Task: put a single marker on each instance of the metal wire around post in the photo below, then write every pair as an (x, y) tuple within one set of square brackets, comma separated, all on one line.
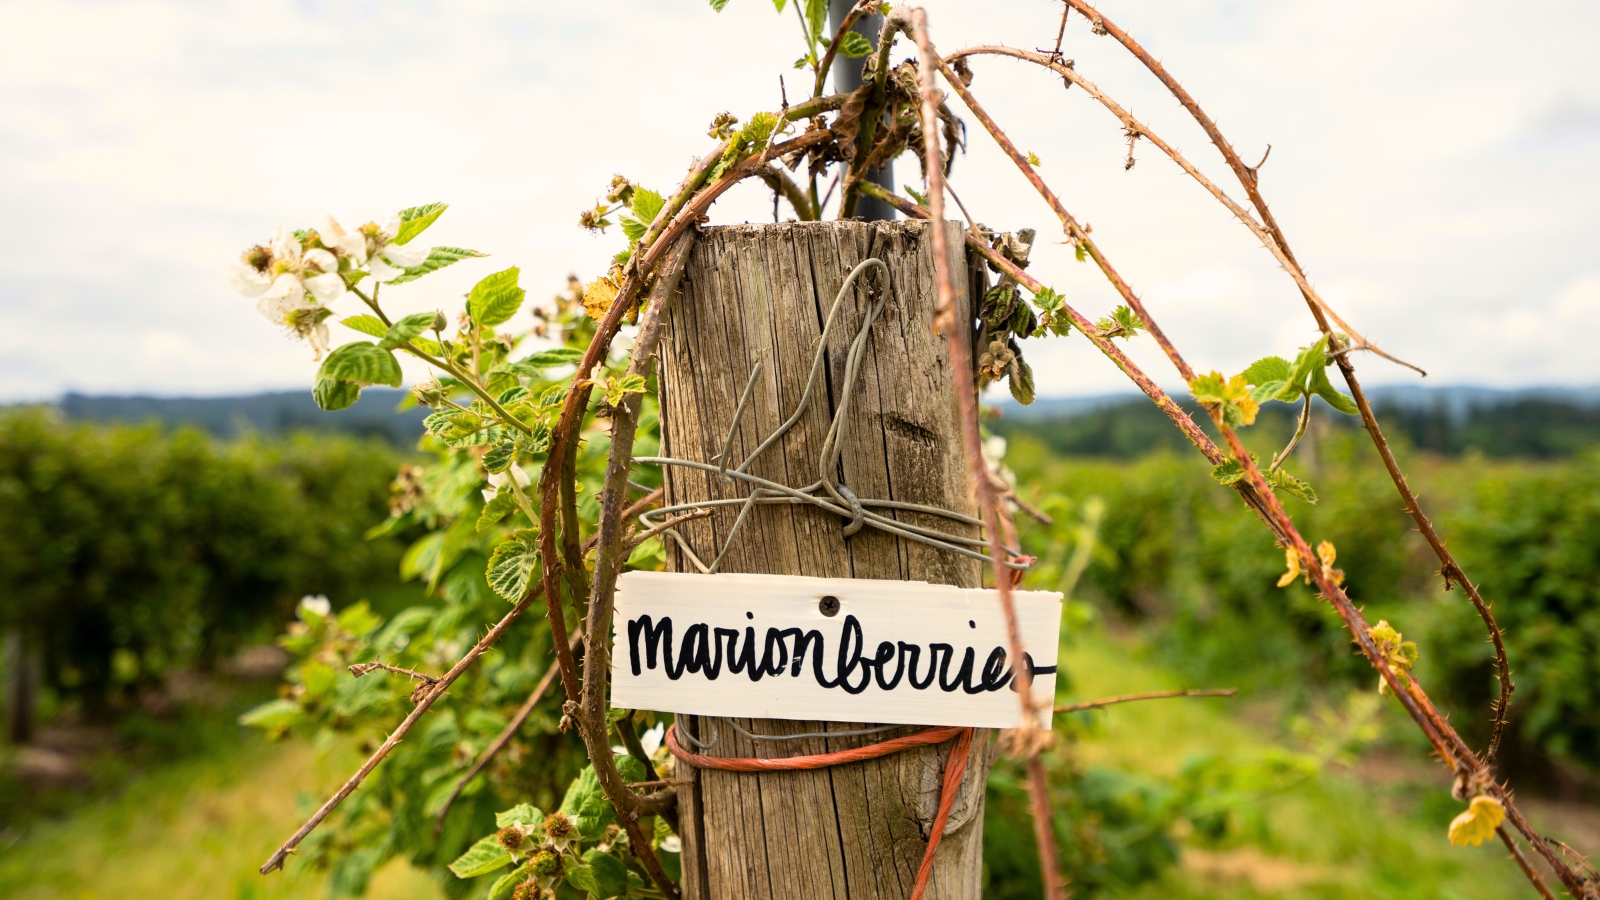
[(826, 493)]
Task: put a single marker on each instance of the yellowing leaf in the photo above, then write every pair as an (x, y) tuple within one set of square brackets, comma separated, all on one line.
[(1291, 559), (1327, 553), (1478, 823), (598, 296), (1398, 652), (1246, 405), (1228, 399)]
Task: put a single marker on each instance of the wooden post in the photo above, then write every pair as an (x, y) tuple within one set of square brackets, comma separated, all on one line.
[(19, 683), (759, 293)]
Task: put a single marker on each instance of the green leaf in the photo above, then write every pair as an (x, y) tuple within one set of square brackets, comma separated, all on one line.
[(511, 567), (504, 502), (1021, 382), (1124, 323), (609, 874), (1322, 388), (633, 229), (816, 18), (777, 3), (358, 618), (618, 389), (465, 429), (1270, 391), (854, 45), (718, 4), (363, 363), (546, 359), (1048, 300), (921, 199), (1267, 369), (416, 220), (511, 395), (582, 878), (1282, 480), (460, 537), (496, 299), (1310, 360), (760, 127), (646, 204), (587, 805), (500, 457), (538, 441), (505, 884), (366, 325), (274, 716), (1229, 471), (438, 258), (521, 814), (318, 679), (480, 859), (332, 394), (406, 329), (422, 556)]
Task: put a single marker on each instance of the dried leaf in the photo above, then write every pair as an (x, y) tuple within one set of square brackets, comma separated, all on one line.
[(1478, 823), (598, 295), (1291, 560)]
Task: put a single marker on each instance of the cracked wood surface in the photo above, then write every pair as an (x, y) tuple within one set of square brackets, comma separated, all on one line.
[(759, 293)]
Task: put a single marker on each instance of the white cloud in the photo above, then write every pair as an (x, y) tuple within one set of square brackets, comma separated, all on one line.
[(1435, 167)]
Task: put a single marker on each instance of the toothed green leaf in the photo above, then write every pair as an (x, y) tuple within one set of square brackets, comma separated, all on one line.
[(363, 363), (416, 220), (438, 258)]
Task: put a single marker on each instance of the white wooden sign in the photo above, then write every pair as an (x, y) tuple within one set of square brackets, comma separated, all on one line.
[(829, 649)]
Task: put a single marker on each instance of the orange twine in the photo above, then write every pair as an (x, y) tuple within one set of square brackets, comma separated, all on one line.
[(955, 769)]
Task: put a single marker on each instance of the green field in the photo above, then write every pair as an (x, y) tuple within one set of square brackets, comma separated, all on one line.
[(195, 829), (198, 828)]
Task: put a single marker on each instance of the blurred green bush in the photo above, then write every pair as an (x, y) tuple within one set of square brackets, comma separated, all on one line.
[(130, 552), (1180, 556)]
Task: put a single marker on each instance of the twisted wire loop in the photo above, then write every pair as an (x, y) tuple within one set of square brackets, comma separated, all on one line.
[(955, 769), (830, 492)]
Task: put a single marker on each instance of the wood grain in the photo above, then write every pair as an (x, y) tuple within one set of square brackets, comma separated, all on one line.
[(758, 293)]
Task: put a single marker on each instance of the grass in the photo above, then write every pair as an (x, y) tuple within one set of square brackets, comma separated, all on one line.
[(199, 827), (1334, 834), (195, 830)]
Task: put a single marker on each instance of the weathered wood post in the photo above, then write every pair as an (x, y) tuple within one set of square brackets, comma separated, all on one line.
[(759, 294)]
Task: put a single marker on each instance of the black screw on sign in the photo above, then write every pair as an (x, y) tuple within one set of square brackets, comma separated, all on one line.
[(829, 605)]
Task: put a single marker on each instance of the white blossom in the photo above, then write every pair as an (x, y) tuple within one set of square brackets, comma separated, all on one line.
[(386, 259), (316, 604), (496, 479), (349, 243)]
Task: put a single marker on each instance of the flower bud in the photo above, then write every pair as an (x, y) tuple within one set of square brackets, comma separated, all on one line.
[(621, 190), (722, 126), (429, 393), (440, 323)]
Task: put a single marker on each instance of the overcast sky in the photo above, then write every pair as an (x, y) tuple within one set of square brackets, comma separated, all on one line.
[(1435, 164)]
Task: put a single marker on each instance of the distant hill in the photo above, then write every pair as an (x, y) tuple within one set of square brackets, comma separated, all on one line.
[(272, 413), (1531, 422), (1538, 423)]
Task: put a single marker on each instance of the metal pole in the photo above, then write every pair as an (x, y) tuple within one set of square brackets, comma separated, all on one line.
[(846, 78)]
